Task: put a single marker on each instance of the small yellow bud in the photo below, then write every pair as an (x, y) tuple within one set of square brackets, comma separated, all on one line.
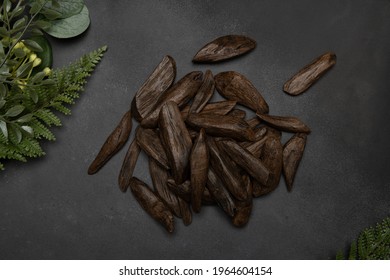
[(37, 61), (47, 71), (19, 45), (33, 56), (26, 50)]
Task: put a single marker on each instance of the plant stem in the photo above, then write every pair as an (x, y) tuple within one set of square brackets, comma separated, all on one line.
[(21, 35)]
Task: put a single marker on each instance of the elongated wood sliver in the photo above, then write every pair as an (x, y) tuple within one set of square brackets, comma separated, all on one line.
[(128, 165), (225, 47), (149, 141), (152, 204), (288, 124), (159, 177), (180, 93), (244, 207), (151, 90), (226, 169), (199, 165), (115, 141), (222, 125), (271, 157), (292, 155), (235, 86), (204, 93), (176, 140), (220, 194), (246, 160), (309, 74)]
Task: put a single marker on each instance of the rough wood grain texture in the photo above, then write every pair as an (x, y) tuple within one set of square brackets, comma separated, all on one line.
[(176, 140), (220, 194), (217, 108), (204, 93), (149, 141), (180, 93), (309, 74), (244, 207), (224, 47), (292, 155), (238, 113), (221, 125), (128, 165), (115, 141), (252, 165), (235, 86), (199, 165), (184, 191), (271, 157), (151, 90), (226, 169), (289, 124), (159, 176), (152, 204)]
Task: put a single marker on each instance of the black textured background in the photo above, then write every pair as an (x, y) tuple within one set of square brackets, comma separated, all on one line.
[(51, 209)]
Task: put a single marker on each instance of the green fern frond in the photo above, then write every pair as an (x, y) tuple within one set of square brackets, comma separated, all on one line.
[(39, 102), (47, 117), (41, 131), (373, 243)]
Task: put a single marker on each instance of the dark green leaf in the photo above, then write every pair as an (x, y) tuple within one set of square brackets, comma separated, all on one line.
[(51, 14), (23, 70), (7, 4), (34, 96), (43, 24), (20, 23), (3, 32), (19, 53), (71, 26), (28, 129), (14, 111), (25, 118), (48, 82), (36, 32), (38, 77), (18, 11), (3, 91), (32, 45), (17, 133), (3, 128), (2, 103), (35, 7)]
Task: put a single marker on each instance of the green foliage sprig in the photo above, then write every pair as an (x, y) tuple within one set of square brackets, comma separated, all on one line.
[(372, 244), (30, 91)]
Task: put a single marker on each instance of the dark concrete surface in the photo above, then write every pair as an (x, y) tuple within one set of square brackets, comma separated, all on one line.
[(51, 209)]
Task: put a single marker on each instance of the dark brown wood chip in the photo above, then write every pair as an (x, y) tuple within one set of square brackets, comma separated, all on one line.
[(224, 47), (115, 141), (222, 125), (199, 163), (180, 93), (176, 140), (128, 165), (149, 141), (309, 74), (235, 86), (292, 155), (152, 204), (151, 90), (289, 124)]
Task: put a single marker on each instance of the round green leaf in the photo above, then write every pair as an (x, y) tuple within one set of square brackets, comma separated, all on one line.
[(28, 129), (64, 8), (71, 26)]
